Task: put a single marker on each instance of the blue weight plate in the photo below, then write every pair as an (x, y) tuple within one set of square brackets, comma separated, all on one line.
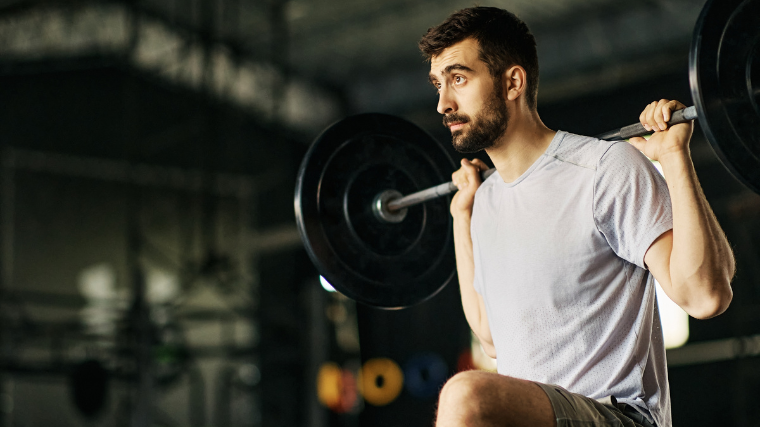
[(425, 374)]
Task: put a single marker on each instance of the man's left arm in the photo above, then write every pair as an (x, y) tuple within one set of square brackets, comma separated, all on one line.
[(693, 262)]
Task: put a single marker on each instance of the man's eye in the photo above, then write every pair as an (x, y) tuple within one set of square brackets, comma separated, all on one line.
[(459, 80)]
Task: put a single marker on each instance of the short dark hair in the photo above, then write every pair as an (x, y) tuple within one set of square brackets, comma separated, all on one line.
[(504, 41)]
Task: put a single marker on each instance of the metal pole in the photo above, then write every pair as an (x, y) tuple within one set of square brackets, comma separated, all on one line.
[(626, 132), (430, 193)]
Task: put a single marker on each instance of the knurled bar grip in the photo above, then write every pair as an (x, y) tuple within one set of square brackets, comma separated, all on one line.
[(627, 132), (678, 116)]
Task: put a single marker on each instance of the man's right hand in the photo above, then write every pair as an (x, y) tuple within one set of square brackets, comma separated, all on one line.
[(467, 179)]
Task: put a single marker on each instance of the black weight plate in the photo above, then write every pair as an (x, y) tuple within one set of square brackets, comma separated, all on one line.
[(724, 70), (374, 262)]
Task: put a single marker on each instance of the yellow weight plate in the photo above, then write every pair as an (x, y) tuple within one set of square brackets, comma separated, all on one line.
[(381, 381)]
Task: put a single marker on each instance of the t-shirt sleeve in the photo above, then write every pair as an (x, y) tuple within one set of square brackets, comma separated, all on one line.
[(631, 202)]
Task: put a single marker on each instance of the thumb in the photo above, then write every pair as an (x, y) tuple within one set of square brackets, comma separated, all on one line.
[(638, 142)]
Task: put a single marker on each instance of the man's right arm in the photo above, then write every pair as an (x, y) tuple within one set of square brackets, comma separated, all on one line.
[(467, 180)]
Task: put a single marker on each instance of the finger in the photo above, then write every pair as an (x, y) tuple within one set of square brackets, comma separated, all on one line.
[(645, 117), (461, 178), (470, 168), (460, 181), (659, 114), (482, 166), (458, 177), (473, 175), (667, 110), (464, 165), (650, 117)]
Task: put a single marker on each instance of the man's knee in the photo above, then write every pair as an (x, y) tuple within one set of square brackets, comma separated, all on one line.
[(483, 398), (464, 394), (466, 383)]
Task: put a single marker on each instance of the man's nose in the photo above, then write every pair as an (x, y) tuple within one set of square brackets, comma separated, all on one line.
[(446, 103)]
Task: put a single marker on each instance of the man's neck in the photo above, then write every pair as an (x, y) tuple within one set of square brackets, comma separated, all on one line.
[(525, 140)]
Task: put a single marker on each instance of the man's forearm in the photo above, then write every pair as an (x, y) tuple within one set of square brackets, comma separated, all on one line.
[(701, 263), (466, 274)]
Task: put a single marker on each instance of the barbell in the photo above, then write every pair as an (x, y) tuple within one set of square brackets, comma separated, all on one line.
[(387, 250)]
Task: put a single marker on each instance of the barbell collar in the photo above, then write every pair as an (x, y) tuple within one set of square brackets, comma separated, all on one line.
[(383, 212)]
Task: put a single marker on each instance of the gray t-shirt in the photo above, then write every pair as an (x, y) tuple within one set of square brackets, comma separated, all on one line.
[(559, 261)]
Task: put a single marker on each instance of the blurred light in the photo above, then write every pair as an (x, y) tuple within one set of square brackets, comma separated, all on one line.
[(326, 285), (337, 388), (675, 321), (97, 284), (162, 286), (249, 374)]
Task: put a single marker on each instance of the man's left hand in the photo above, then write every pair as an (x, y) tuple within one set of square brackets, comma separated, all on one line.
[(665, 140)]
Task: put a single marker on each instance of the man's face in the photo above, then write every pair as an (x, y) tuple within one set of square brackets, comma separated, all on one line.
[(469, 97)]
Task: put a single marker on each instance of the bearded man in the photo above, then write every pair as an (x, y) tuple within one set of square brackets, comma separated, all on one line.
[(557, 252)]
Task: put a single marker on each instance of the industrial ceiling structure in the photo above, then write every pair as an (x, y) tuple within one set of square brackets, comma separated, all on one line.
[(307, 63)]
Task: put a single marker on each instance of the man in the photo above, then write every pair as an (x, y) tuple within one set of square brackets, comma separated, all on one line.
[(556, 252)]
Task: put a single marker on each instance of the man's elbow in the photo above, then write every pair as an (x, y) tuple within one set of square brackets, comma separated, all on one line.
[(714, 303)]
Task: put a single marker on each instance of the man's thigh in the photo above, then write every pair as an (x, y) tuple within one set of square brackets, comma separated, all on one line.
[(575, 410)]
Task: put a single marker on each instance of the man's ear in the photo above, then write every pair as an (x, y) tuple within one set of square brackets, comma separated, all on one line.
[(515, 82)]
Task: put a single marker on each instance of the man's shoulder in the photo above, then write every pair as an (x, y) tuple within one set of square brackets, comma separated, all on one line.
[(580, 150)]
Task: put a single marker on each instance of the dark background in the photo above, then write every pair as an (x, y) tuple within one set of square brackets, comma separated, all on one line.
[(159, 141)]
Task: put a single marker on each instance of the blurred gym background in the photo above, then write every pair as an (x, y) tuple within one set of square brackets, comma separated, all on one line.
[(151, 271)]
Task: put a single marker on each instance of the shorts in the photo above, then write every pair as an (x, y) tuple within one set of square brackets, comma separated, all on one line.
[(575, 410)]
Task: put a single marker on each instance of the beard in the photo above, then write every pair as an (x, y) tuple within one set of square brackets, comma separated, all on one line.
[(489, 124)]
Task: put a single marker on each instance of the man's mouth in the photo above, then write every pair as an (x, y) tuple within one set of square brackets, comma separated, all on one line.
[(456, 126), (455, 122)]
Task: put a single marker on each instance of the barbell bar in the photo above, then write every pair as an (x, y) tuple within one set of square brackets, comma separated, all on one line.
[(385, 206)]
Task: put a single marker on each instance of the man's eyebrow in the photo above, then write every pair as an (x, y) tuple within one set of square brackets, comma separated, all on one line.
[(449, 68), (460, 67)]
